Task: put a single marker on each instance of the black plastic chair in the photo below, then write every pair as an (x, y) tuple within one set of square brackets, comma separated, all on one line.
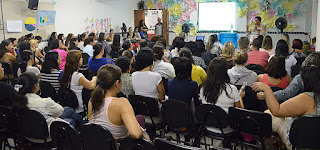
[(250, 122), (165, 85), (213, 116), (96, 137), (15, 67), (177, 117), (31, 124), (256, 68), (305, 133), (47, 90), (85, 59), (162, 144), (6, 128), (68, 98), (64, 136)]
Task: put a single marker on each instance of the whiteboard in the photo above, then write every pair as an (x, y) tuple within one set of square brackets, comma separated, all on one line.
[(14, 26)]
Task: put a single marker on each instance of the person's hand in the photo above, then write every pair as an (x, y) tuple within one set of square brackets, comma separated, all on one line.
[(260, 96), (242, 94), (255, 27), (259, 86)]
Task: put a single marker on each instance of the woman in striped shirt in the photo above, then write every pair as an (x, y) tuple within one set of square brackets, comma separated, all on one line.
[(50, 69)]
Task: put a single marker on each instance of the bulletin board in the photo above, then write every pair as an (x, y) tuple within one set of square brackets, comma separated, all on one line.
[(17, 10)]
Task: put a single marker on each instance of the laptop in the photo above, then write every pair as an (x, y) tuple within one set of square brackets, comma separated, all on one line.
[(200, 38)]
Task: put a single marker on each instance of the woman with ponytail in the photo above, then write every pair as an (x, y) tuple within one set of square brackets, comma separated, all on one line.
[(116, 114), (97, 60), (28, 58)]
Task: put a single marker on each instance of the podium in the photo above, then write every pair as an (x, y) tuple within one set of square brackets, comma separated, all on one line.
[(227, 36)]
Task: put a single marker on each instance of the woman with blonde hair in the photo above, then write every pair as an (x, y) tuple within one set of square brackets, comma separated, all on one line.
[(213, 46), (267, 45), (227, 53), (34, 47), (286, 38)]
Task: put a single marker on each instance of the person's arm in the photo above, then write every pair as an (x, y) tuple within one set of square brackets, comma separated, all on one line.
[(195, 94), (171, 72), (263, 31), (90, 85), (295, 106), (54, 109), (90, 109), (11, 57), (161, 91), (202, 74), (294, 88), (38, 53), (129, 119), (260, 76)]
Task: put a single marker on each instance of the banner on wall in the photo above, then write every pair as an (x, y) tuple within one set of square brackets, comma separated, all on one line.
[(46, 17)]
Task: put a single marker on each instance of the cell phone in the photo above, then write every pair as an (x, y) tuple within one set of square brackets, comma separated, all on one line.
[(244, 84)]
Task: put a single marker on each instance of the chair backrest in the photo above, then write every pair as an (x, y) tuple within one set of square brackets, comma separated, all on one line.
[(15, 67), (32, 124), (250, 122), (4, 112), (161, 144), (305, 133), (96, 137), (47, 90), (165, 85), (212, 115), (68, 99), (85, 57), (256, 68), (147, 106), (251, 101), (64, 136), (176, 114)]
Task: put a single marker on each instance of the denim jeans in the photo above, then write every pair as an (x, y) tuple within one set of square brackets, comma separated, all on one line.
[(72, 117)]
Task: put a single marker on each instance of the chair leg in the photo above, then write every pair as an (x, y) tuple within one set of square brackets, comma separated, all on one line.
[(205, 142), (178, 137)]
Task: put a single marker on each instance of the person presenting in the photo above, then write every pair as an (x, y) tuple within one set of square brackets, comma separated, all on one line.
[(159, 27), (258, 29)]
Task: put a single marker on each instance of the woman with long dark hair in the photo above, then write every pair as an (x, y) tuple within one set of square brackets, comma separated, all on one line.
[(115, 47), (73, 80), (63, 54), (50, 69), (74, 44), (5, 55), (97, 60), (28, 58)]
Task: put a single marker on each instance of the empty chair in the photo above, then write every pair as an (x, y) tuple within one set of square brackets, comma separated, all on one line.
[(95, 137), (251, 122), (305, 133), (64, 136), (48, 91), (162, 144)]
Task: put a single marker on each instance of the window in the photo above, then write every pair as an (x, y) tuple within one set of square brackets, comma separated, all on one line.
[(217, 16)]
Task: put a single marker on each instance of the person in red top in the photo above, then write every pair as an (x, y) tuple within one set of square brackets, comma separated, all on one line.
[(276, 73), (257, 57)]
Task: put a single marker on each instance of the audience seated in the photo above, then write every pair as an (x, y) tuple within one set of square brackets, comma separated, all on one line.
[(127, 45), (304, 104), (111, 36), (81, 38), (182, 88), (179, 43), (144, 81), (34, 47), (205, 55), (6, 90), (227, 53), (165, 69), (105, 109), (124, 63), (267, 45), (105, 45), (55, 47), (276, 73), (50, 70), (257, 57), (97, 60), (28, 57), (298, 52), (243, 44), (197, 74), (214, 46), (196, 54), (73, 80), (74, 44), (115, 47), (5, 55), (88, 43), (239, 73)]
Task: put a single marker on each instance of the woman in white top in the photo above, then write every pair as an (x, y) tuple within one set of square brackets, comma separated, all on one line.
[(105, 109), (28, 58), (217, 90), (165, 69), (88, 43), (73, 79), (267, 45), (213, 46)]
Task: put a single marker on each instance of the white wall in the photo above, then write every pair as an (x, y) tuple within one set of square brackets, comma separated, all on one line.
[(71, 14)]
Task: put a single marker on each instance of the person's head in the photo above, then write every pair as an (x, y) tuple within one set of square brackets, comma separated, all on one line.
[(182, 68), (243, 43), (130, 29), (23, 39), (82, 37), (163, 42), (158, 51), (151, 44), (256, 44), (240, 57), (141, 29), (159, 20), (142, 23), (111, 31), (29, 83), (52, 61), (6, 46), (54, 35), (297, 44), (61, 37), (276, 68), (89, 41), (34, 44), (108, 80), (217, 78), (97, 50), (126, 45), (129, 54), (212, 39), (257, 20), (180, 43), (54, 44), (182, 35), (124, 63), (307, 47), (26, 57), (30, 36), (74, 43), (73, 62), (282, 48), (136, 29), (102, 37), (38, 38), (185, 52), (1, 72), (13, 41), (155, 38), (228, 50), (144, 59), (312, 59), (267, 43), (143, 43), (286, 38), (69, 37), (92, 34), (24, 46)]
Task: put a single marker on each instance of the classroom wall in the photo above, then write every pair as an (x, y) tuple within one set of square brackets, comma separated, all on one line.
[(71, 14)]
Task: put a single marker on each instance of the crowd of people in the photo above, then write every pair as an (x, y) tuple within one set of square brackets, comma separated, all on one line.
[(192, 72)]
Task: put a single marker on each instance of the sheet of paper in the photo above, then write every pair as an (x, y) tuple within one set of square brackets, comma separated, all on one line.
[(14, 26)]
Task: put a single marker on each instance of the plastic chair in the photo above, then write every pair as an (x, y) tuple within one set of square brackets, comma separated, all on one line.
[(96, 137), (305, 133), (165, 85), (256, 68), (6, 128), (68, 98), (64, 136), (162, 144), (213, 116), (47, 90), (85, 57), (250, 122)]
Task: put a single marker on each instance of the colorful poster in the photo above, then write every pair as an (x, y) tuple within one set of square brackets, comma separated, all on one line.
[(46, 17), (97, 25), (30, 24)]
